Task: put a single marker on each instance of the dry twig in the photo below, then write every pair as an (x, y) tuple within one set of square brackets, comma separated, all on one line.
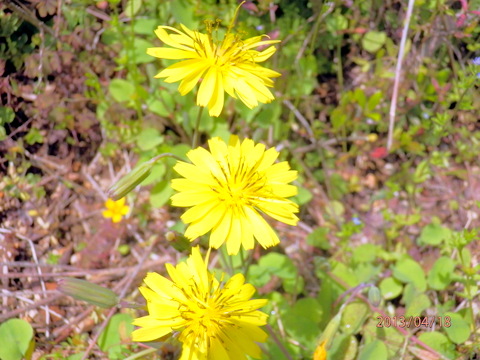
[(398, 71)]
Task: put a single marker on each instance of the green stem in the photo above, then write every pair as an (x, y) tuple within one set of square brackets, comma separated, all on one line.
[(196, 131), (228, 264), (246, 261), (468, 289), (141, 354), (339, 63), (277, 341)]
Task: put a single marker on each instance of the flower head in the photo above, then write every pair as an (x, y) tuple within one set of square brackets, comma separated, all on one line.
[(476, 61), (320, 352), (227, 186), (229, 65), (213, 320), (115, 210)]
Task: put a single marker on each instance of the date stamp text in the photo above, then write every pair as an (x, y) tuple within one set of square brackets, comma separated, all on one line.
[(413, 321)]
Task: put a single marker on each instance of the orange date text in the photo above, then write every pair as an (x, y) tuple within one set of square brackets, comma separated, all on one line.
[(413, 321)]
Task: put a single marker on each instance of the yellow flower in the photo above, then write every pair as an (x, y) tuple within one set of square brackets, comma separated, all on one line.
[(320, 352), (226, 188), (230, 65), (115, 210), (213, 320)]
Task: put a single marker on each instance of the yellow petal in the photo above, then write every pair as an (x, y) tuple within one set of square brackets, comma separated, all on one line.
[(261, 230), (236, 235), (168, 53), (245, 93), (215, 105), (221, 232), (150, 333), (207, 86), (168, 39)]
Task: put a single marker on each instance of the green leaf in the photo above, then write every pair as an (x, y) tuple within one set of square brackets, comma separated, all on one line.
[(422, 172), (374, 100), (149, 138), (336, 23), (390, 288), (268, 115), (335, 209), (301, 321), (459, 331), (220, 129), (16, 338), (409, 271), (373, 41), (343, 348), (157, 174), (293, 286), (318, 238), (366, 272), (117, 332), (433, 234), (345, 273), (279, 265), (365, 253), (78, 356), (132, 7), (183, 12), (338, 117), (258, 275), (6, 115), (440, 276), (417, 305), (374, 350), (138, 54), (34, 136), (157, 107), (438, 342), (121, 90), (160, 194), (145, 26), (353, 317)]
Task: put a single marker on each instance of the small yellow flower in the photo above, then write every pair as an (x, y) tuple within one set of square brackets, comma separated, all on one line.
[(229, 65), (213, 320), (115, 210), (226, 188), (320, 352)]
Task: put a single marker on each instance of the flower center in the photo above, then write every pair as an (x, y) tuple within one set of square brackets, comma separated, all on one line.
[(206, 316), (241, 185)]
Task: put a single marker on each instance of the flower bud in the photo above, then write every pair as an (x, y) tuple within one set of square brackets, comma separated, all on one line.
[(86, 291), (327, 336), (374, 296), (320, 352), (127, 183), (179, 242)]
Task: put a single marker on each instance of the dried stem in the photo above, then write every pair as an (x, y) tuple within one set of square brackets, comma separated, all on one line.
[(398, 71)]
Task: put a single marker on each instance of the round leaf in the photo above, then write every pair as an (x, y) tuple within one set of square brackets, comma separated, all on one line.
[(373, 41), (15, 338), (459, 329), (433, 234), (374, 350), (441, 274), (390, 288), (353, 317), (439, 342), (121, 90), (409, 271)]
